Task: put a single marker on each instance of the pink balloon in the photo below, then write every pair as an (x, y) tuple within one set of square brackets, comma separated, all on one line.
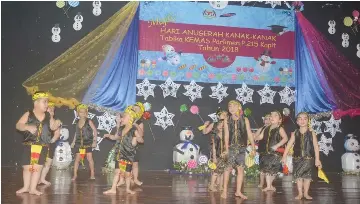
[(194, 109), (355, 13)]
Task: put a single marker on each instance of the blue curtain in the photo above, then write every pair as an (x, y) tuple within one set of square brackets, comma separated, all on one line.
[(116, 89), (310, 96)]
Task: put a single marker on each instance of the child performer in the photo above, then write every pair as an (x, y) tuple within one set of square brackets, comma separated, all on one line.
[(126, 149), (36, 126), (305, 149), (217, 145), (51, 149), (84, 140), (273, 137), (139, 109), (267, 122), (239, 133)]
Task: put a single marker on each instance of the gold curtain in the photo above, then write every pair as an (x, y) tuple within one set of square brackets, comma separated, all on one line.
[(68, 76)]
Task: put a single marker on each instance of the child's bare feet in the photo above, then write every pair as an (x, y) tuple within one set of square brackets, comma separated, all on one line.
[(272, 188), (130, 192), (137, 182), (239, 194), (92, 178), (44, 182), (212, 189), (260, 185), (110, 192), (266, 189), (35, 192), (308, 197), (120, 183), (74, 178), (299, 197), (224, 194), (23, 190)]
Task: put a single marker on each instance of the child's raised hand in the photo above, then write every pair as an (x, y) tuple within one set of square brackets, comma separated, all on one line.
[(93, 144), (207, 123), (107, 136)]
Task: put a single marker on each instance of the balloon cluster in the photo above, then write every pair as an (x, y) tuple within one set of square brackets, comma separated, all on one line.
[(353, 23)]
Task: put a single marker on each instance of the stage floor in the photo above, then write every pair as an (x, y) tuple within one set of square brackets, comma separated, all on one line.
[(164, 188)]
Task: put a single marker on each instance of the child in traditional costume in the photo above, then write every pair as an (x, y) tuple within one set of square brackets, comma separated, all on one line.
[(51, 148), (84, 140), (129, 134), (267, 122), (272, 138), (239, 130), (217, 145), (305, 156), (36, 126)]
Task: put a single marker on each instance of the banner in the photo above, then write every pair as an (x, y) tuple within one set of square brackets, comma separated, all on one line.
[(234, 44)]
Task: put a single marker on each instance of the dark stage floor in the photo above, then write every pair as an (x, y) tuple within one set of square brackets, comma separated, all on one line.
[(163, 188)]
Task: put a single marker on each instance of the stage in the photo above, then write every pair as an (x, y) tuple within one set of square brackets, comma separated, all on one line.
[(163, 188)]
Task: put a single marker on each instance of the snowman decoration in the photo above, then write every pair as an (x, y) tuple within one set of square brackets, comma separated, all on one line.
[(56, 33), (186, 150), (78, 20), (62, 156), (358, 50), (350, 161), (264, 62), (332, 29), (345, 42), (97, 8)]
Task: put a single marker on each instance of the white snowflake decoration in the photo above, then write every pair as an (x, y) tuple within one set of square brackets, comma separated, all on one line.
[(164, 118), (316, 126), (219, 92), (213, 117), (287, 96), (98, 141), (90, 116), (332, 126), (273, 3), (325, 144), (146, 89), (169, 88), (244, 94), (267, 95), (106, 122), (193, 91)]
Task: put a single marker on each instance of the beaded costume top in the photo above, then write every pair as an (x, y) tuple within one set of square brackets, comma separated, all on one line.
[(84, 136), (303, 146), (237, 131), (43, 133)]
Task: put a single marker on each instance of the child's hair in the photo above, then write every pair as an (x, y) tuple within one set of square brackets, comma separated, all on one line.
[(307, 115), (81, 106), (280, 116)]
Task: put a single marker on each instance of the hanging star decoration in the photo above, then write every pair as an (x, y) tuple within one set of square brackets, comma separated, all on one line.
[(193, 91), (98, 141), (106, 122), (287, 96), (219, 92), (164, 118), (332, 126), (325, 144), (213, 117), (90, 116), (244, 94), (267, 95), (146, 89), (169, 88), (316, 126)]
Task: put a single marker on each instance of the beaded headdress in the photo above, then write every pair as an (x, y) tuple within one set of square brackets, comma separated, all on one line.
[(38, 95)]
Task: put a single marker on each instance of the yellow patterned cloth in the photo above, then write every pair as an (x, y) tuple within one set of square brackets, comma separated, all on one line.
[(69, 75)]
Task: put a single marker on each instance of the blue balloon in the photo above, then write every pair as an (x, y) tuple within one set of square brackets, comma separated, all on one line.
[(74, 3)]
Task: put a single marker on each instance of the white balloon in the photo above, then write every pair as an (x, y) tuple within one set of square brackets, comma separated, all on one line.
[(56, 38), (97, 11), (77, 26)]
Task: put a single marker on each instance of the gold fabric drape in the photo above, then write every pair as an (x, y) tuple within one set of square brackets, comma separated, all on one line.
[(68, 76)]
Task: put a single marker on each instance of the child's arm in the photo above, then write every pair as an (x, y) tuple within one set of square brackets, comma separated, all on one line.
[(283, 140), (213, 149), (250, 135), (56, 135), (316, 149), (138, 136), (208, 127), (226, 136), (22, 126), (288, 147), (140, 129), (94, 133), (258, 133), (73, 142), (55, 124)]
